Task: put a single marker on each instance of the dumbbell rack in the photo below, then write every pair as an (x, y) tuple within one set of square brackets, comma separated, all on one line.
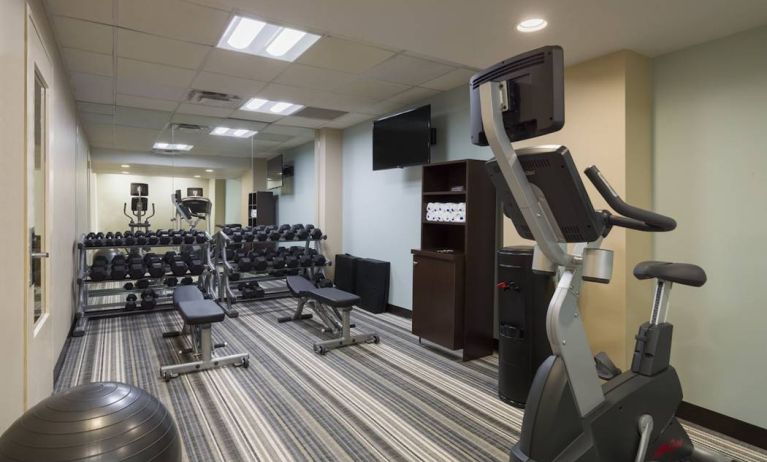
[(223, 242), (85, 293)]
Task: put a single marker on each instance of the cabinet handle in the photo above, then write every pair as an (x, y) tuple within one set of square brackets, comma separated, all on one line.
[(415, 262)]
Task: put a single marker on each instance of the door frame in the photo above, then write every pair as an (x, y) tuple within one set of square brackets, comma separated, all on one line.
[(37, 334)]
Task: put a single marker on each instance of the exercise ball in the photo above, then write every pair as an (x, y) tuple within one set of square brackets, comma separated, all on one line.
[(103, 421)]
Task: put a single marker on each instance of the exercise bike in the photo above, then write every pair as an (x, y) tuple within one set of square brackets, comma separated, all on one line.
[(570, 415)]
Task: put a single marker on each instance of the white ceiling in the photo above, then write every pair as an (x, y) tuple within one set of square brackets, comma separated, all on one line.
[(133, 62)]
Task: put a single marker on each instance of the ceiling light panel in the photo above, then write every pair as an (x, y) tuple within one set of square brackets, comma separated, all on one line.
[(270, 107), (255, 37), (173, 146), (233, 132)]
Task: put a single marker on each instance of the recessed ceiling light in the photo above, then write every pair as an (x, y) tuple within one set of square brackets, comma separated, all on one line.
[(124, 166), (197, 176), (125, 173), (173, 146), (234, 132), (255, 37), (209, 170), (532, 25), (270, 107)]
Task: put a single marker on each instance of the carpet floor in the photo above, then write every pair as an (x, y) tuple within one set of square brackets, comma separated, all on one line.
[(395, 401)]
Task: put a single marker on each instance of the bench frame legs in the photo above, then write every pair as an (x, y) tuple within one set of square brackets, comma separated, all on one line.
[(345, 338), (202, 348)]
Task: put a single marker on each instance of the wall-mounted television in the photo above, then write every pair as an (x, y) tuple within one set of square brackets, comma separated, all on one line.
[(274, 172), (403, 139)]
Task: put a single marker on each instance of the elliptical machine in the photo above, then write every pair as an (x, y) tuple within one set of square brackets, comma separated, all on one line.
[(570, 416), (139, 207)]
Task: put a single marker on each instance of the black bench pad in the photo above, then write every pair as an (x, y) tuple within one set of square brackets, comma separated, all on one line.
[(186, 294), (299, 286), (334, 297), (200, 312)]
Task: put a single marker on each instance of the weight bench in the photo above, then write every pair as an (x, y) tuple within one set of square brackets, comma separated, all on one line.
[(333, 306), (199, 314)]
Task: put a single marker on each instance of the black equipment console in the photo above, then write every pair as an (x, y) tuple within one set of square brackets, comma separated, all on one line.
[(139, 190)]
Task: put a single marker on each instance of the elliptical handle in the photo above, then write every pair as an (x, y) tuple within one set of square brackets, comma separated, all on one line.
[(635, 218)]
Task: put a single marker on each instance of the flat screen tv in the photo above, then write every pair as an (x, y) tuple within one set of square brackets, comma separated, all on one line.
[(274, 172), (403, 139)]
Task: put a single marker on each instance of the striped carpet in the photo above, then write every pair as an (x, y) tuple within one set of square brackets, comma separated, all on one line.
[(396, 400)]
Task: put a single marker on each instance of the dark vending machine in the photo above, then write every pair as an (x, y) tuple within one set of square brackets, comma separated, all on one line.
[(523, 299)]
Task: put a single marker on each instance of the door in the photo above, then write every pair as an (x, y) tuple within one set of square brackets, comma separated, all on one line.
[(38, 323), (438, 299)]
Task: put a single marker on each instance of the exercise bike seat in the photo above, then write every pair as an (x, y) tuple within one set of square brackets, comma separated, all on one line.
[(682, 273)]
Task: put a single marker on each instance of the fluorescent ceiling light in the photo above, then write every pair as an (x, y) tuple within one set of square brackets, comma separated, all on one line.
[(532, 25), (284, 41), (209, 170), (270, 107), (245, 31), (173, 146), (197, 176), (125, 173), (234, 132), (247, 35), (124, 166)]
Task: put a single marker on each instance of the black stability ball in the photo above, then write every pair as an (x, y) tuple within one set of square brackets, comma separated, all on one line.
[(103, 421)]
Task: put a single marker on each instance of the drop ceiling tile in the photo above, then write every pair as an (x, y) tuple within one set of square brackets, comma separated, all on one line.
[(343, 55), (273, 137), (174, 18), (371, 88), (146, 103), (348, 103), (413, 95), (143, 89), (96, 108), (450, 80), (290, 94), (243, 88), (141, 118), (93, 88), (160, 50), (87, 62), (299, 75), (348, 120), (288, 130), (409, 70), (205, 121), (135, 138), (244, 65), (100, 136), (153, 74), (302, 122), (89, 10), (200, 109), (255, 116), (95, 118), (84, 35)]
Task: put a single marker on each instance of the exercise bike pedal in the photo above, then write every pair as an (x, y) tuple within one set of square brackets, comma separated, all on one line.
[(606, 369)]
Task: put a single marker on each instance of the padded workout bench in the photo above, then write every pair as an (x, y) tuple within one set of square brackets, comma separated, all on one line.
[(199, 314), (333, 306)]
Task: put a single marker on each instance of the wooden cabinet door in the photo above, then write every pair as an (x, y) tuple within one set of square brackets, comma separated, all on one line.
[(438, 300)]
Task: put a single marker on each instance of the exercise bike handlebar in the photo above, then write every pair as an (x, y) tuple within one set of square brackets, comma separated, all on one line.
[(633, 217)]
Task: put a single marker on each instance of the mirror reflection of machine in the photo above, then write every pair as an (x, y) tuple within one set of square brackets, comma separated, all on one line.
[(191, 209), (139, 206)]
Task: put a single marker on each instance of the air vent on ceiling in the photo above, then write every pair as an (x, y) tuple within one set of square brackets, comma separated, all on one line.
[(190, 128), (212, 97), (319, 113)]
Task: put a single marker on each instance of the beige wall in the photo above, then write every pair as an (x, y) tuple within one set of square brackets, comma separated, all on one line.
[(602, 97), (328, 153), (68, 200), (110, 191), (246, 187)]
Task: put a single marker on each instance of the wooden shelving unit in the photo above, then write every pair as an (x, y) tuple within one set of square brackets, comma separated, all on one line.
[(453, 270)]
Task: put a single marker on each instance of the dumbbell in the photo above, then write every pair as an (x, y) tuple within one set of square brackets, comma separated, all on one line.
[(141, 238), (291, 261), (164, 238), (177, 239), (261, 236), (148, 299), (237, 236), (302, 234), (305, 260), (260, 264), (248, 236), (130, 302), (178, 267), (98, 271), (194, 263), (309, 227), (245, 263), (296, 250), (156, 268), (234, 277), (275, 235), (153, 240), (129, 239), (142, 283), (297, 226), (278, 262), (187, 281), (169, 256), (288, 235), (119, 268), (189, 239), (136, 268), (284, 228), (316, 233), (200, 238), (171, 281), (319, 260)]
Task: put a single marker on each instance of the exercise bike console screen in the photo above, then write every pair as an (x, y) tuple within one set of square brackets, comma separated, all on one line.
[(194, 192), (551, 169), (142, 201), (535, 93), (139, 189)]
